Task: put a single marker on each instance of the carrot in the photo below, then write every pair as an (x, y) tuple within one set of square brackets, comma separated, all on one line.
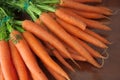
[(33, 76), (88, 1), (39, 50), (85, 7), (81, 34), (18, 62), (55, 74), (61, 33), (90, 23), (7, 66), (68, 18), (59, 57), (38, 21), (27, 55), (92, 33), (38, 31), (89, 15), (93, 52), (1, 74)]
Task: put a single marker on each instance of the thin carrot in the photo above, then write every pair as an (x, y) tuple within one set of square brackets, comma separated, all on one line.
[(75, 55), (59, 57), (27, 55), (61, 33), (89, 15), (39, 50), (92, 33), (81, 34), (19, 63), (38, 31), (55, 74), (7, 66), (93, 52), (89, 1), (90, 23), (68, 18), (1, 74), (85, 7)]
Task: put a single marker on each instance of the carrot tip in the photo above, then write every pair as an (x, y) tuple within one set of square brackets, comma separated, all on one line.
[(102, 64), (106, 54)]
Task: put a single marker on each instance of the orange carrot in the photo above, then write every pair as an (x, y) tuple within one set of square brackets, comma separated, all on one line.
[(93, 52), (39, 50), (92, 33), (61, 33), (59, 57), (7, 66), (90, 15), (55, 74), (38, 21), (27, 55), (45, 36), (90, 23), (18, 62), (85, 7), (88, 1), (68, 18), (81, 34), (1, 74)]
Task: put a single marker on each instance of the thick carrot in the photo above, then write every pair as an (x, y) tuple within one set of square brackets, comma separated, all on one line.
[(89, 1), (85, 7), (19, 63), (33, 76), (61, 33), (93, 52), (81, 34), (55, 74), (38, 21), (7, 66), (92, 33), (27, 55), (38, 31), (59, 57), (89, 15), (1, 74), (39, 50), (70, 19), (90, 23)]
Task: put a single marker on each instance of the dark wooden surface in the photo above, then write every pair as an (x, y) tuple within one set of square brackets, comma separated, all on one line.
[(111, 69)]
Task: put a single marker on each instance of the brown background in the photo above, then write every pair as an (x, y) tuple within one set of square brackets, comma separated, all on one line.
[(111, 69)]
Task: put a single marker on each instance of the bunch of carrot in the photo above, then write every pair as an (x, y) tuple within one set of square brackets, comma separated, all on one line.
[(60, 28)]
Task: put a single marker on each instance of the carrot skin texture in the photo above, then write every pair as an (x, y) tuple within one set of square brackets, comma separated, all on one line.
[(90, 23), (1, 74), (7, 66), (38, 48), (55, 74), (45, 36), (56, 28), (89, 1), (89, 15), (93, 52), (19, 63), (28, 56), (92, 33), (59, 57), (70, 19), (84, 7), (81, 34)]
